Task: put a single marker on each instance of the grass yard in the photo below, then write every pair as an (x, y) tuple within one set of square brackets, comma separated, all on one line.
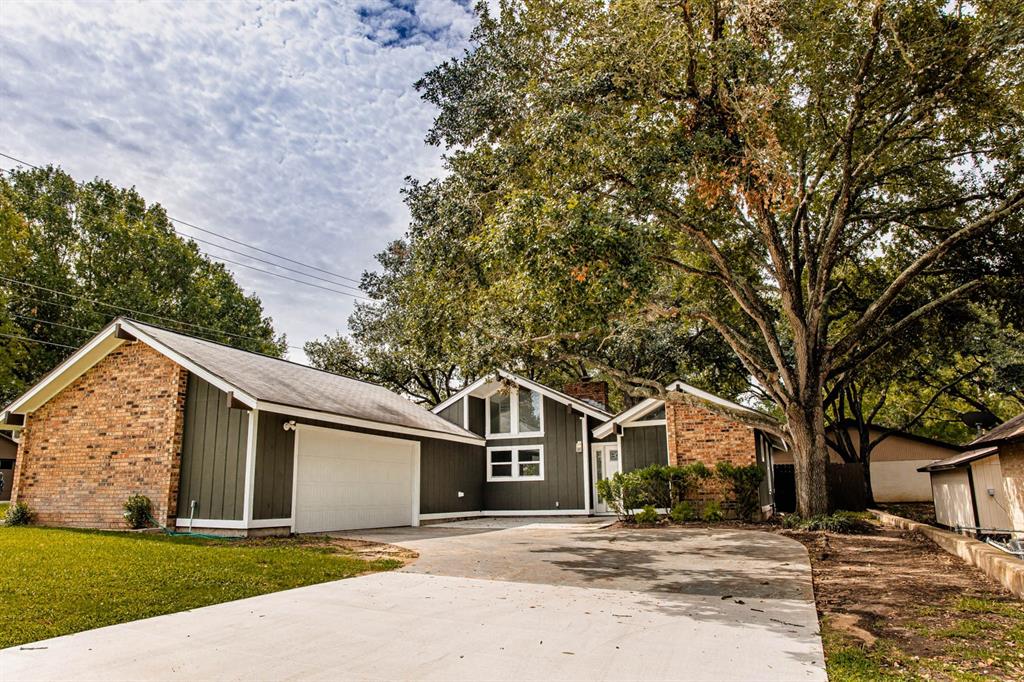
[(56, 581), (893, 606), (3, 508)]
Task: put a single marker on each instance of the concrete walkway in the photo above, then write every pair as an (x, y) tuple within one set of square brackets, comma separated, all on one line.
[(526, 601)]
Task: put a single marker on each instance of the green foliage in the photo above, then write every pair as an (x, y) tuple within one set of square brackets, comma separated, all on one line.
[(18, 514), (712, 512), (647, 516), (661, 487), (745, 482), (59, 581), (844, 522), (682, 512), (138, 511), (104, 243)]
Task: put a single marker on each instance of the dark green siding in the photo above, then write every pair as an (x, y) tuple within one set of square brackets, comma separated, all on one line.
[(446, 468), (453, 413), (275, 455), (643, 446), (212, 454), (477, 408), (563, 467)]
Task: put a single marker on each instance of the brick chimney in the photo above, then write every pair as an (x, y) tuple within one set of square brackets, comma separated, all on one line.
[(593, 392)]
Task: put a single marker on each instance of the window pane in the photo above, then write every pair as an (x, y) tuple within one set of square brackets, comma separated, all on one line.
[(656, 414), (529, 469), (501, 413), (501, 471), (501, 455), (529, 410), (529, 455)]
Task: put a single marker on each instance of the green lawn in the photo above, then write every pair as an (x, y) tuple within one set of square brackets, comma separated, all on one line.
[(3, 508), (56, 581)]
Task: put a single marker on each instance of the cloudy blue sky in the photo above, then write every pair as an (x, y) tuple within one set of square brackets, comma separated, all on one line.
[(288, 125)]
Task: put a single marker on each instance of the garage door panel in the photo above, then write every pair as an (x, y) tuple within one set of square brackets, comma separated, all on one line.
[(346, 481)]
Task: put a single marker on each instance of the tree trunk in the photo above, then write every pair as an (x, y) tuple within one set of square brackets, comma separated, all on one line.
[(810, 458), (865, 461)]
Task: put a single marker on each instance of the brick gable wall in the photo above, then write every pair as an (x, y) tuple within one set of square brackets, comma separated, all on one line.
[(699, 435), (114, 432)]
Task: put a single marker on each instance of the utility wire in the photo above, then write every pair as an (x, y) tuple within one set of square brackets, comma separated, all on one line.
[(47, 343), (56, 324), (292, 279), (225, 237), (134, 312)]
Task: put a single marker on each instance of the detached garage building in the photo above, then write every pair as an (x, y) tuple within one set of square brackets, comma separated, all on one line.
[(227, 440)]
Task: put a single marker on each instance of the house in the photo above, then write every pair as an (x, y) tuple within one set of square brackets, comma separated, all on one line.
[(233, 442), (532, 462), (8, 453), (983, 487), (895, 463)]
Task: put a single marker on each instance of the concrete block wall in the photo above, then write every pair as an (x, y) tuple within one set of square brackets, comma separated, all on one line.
[(114, 432)]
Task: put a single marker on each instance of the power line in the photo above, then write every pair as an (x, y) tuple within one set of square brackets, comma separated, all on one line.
[(227, 238), (135, 312), (56, 324), (47, 343), (292, 279), (260, 260)]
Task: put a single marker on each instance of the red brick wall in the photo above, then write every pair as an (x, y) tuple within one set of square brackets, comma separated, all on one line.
[(589, 390), (699, 435), (114, 432)]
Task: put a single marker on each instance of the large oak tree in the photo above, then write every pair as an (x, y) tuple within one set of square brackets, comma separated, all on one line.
[(791, 175)]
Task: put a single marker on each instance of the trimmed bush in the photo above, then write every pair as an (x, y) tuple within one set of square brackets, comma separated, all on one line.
[(138, 510), (745, 482), (648, 515), (683, 512), (661, 487), (18, 515), (712, 512)]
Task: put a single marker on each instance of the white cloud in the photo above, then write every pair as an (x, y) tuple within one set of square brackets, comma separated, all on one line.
[(288, 125)]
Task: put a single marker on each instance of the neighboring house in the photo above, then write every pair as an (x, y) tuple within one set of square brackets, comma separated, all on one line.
[(231, 441), (8, 453), (547, 449), (895, 464), (984, 486)]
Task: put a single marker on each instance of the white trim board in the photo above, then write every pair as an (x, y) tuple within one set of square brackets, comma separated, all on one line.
[(304, 413), (233, 524), (505, 512), (557, 396), (461, 394)]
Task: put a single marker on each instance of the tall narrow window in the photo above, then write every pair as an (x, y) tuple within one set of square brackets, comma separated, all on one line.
[(500, 412), (529, 411)]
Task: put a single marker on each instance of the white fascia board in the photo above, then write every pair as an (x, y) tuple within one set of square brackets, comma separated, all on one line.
[(75, 366), (458, 396), (640, 409), (287, 410), (555, 395), (198, 370), (709, 397)]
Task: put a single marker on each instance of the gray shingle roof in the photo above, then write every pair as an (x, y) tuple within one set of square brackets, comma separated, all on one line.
[(1011, 429), (287, 383), (959, 459)]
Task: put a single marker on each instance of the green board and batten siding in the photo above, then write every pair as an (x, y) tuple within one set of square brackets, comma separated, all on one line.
[(212, 454), (643, 446), (563, 467)]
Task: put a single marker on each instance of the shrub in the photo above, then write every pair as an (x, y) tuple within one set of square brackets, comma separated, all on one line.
[(712, 512), (647, 515), (745, 482), (682, 512), (655, 485), (18, 514), (138, 511), (844, 522)]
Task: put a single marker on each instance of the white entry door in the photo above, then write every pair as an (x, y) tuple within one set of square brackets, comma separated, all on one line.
[(345, 481), (606, 463)]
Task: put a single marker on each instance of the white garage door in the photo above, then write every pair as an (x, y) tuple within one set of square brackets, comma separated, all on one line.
[(348, 480)]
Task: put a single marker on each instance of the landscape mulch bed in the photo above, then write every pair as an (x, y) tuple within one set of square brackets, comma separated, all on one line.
[(893, 604)]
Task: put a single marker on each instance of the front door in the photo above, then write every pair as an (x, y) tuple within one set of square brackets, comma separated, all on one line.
[(606, 463)]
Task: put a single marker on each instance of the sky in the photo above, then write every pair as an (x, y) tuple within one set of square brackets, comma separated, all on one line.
[(289, 126)]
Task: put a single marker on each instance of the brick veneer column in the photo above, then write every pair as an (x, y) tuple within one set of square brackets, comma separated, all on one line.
[(114, 432)]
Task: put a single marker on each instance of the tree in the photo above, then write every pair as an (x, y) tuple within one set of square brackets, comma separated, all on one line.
[(74, 256), (746, 166)]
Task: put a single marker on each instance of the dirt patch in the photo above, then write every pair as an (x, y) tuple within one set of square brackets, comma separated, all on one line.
[(922, 512), (911, 610), (363, 549)]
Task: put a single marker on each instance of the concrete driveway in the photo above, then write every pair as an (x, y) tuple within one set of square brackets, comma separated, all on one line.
[(491, 600)]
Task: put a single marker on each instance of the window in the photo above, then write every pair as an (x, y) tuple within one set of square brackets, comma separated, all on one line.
[(518, 412), (515, 463)]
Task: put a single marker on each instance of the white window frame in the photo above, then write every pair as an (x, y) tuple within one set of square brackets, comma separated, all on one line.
[(514, 449), (644, 420), (514, 417)]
